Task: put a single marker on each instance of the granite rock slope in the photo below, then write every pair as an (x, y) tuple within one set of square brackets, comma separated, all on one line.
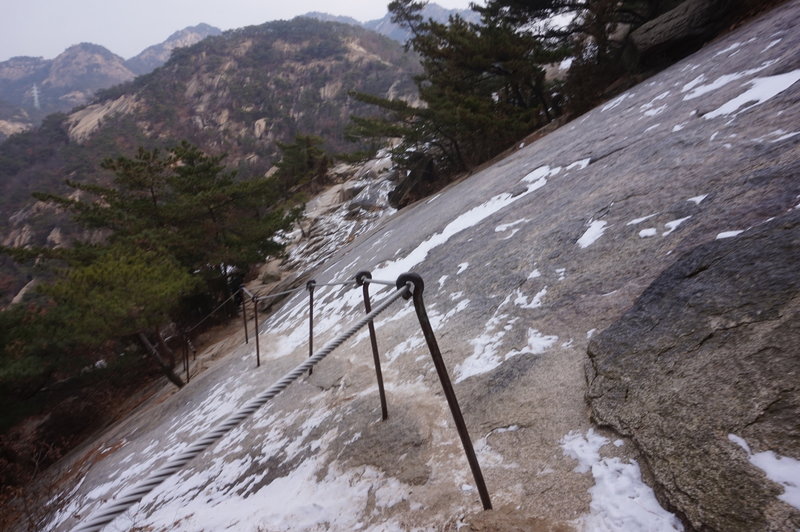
[(524, 262)]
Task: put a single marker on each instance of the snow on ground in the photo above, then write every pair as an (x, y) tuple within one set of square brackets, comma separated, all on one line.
[(698, 199), (637, 221), (729, 234), (537, 343), (534, 180), (616, 101), (513, 227), (579, 165), (487, 352), (650, 108), (215, 498), (521, 300), (438, 320), (760, 91), (783, 470), (695, 89), (771, 44), (734, 46), (778, 135), (620, 500), (673, 225), (595, 231)]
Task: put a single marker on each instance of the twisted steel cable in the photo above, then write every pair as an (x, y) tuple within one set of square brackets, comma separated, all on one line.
[(196, 325), (337, 283), (135, 494), (278, 294)]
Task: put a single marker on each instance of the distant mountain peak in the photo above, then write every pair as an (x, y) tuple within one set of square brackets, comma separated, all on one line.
[(327, 17), (154, 56), (386, 27), (72, 78)]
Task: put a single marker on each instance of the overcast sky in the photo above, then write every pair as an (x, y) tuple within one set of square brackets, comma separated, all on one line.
[(126, 27)]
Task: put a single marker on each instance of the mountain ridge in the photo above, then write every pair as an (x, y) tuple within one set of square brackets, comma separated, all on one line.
[(234, 93), (385, 26), (34, 87)]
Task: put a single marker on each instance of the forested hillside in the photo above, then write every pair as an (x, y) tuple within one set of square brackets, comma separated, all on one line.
[(240, 94)]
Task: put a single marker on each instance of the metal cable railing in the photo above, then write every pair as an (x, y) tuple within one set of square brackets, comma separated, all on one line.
[(134, 495), (409, 286)]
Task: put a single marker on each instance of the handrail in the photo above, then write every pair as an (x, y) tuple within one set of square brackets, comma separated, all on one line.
[(136, 494), (409, 286)]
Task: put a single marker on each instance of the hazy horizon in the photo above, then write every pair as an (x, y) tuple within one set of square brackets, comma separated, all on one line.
[(45, 29)]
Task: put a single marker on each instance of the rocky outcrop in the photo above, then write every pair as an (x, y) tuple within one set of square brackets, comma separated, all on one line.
[(686, 25), (707, 356), (81, 124), (10, 127), (85, 68), (342, 213)]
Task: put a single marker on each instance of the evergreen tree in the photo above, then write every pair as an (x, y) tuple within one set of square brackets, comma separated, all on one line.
[(303, 164), (175, 226), (483, 87), (124, 292)]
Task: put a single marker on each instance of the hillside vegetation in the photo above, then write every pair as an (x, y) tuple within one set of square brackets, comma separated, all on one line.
[(487, 85), (240, 94)]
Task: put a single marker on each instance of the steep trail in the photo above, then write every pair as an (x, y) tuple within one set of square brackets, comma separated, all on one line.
[(523, 262)]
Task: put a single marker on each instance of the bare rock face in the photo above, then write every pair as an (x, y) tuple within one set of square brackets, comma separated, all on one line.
[(707, 356), (691, 21)]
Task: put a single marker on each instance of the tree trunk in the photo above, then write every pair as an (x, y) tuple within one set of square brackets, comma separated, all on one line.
[(165, 367), (164, 348)]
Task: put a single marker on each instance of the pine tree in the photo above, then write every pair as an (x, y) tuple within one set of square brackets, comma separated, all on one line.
[(303, 164), (124, 292), (483, 87), (176, 225)]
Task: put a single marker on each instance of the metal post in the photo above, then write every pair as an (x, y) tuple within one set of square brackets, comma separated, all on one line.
[(444, 378), (244, 317), (255, 333), (310, 287), (360, 276), (186, 355)]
